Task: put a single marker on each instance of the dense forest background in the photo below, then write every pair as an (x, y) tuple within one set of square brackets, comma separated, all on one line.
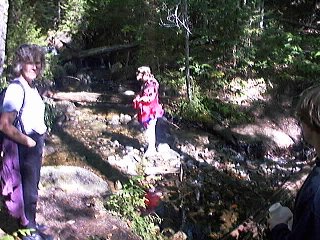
[(195, 48)]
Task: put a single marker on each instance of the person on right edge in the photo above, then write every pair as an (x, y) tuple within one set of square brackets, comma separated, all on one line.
[(306, 211)]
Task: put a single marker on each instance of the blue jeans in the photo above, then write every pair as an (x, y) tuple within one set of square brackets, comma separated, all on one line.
[(30, 160)]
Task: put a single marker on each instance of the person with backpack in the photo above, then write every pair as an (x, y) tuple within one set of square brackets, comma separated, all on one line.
[(22, 123), (306, 211), (148, 107)]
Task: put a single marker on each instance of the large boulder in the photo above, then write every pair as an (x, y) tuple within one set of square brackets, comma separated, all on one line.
[(72, 180)]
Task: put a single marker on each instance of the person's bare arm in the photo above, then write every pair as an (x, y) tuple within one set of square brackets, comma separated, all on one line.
[(47, 93), (7, 127)]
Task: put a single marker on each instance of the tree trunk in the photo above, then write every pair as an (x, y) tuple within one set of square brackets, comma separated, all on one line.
[(187, 52), (261, 23), (4, 6)]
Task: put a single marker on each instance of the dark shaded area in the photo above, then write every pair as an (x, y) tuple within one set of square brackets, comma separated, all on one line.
[(96, 69), (92, 159), (7, 223)]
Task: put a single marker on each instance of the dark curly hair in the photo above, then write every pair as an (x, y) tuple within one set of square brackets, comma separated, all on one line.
[(28, 53)]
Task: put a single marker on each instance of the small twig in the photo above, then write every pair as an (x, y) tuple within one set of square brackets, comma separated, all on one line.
[(171, 123)]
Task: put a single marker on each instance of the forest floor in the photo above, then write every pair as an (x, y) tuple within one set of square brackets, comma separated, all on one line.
[(221, 187)]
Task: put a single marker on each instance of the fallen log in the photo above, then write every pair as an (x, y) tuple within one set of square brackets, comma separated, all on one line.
[(90, 97), (161, 170), (77, 96)]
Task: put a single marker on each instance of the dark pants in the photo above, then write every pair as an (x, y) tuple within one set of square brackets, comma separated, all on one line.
[(30, 160)]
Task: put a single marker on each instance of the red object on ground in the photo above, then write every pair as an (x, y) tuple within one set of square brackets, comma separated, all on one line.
[(153, 199)]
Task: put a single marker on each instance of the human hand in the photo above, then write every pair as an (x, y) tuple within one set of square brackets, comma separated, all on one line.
[(30, 142), (137, 98), (282, 215), (48, 94), (144, 99)]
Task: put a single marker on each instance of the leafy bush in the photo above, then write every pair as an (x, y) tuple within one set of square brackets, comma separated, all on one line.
[(288, 55), (195, 110), (50, 114), (22, 28), (206, 109), (172, 83)]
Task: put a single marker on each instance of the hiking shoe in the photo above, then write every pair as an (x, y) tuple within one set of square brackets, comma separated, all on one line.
[(41, 227), (33, 236), (38, 236)]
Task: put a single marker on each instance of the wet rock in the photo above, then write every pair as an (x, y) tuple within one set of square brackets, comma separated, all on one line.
[(274, 138), (166, 152), (65, 106), (113, 119)]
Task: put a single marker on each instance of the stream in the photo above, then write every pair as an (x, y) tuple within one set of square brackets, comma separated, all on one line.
[(215, 188)]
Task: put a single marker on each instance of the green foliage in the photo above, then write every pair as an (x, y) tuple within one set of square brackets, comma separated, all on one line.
[(51, 64), (72, 17), (226, 113), (286, 48), (205, 75), (16, 235), (3, 84), (194, 111), (128, 203), (173, 80), (124, 22), (22, 28), (200, 70), (288, 55), (209, 110), (25, 31), (228, 39), (307, 69), (50, 114), (46, 14), (224, 28), (132, 196)]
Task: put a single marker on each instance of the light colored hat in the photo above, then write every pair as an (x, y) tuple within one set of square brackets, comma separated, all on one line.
[(143, 71)]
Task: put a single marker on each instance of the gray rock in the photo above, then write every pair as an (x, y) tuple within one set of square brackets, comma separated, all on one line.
[(72, 180), (125, 118)]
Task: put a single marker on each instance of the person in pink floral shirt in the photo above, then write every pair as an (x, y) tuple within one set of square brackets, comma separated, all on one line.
[(148, 107)]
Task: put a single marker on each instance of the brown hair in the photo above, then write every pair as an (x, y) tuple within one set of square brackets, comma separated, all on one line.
[(308, 107), (27, 53)]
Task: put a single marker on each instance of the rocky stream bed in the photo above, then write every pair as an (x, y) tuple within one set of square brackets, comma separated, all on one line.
[(215, 184)]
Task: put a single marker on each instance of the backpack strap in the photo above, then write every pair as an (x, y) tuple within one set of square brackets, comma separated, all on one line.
[(18, 118)]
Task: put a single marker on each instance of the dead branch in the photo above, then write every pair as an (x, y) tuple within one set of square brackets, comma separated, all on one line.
[(174, 20)]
